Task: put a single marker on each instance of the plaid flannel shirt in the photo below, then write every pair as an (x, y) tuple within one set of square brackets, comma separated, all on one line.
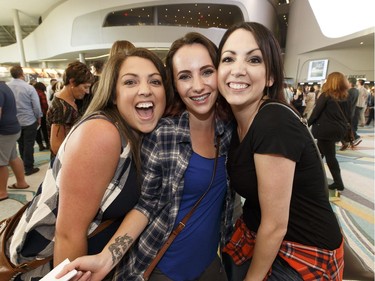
[(165, 156), (310, 262)]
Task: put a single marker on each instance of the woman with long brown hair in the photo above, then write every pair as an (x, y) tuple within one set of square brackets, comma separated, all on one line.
[(100, 160), (329, 119)]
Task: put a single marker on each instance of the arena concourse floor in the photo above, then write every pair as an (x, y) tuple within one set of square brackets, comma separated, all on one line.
[(354, 206)]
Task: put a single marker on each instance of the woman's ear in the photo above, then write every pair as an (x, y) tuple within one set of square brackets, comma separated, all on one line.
[(71, 82), (114, 99), (270, 82)]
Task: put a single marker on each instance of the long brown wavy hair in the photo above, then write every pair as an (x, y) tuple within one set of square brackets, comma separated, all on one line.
[(336, 86), (105, 96)]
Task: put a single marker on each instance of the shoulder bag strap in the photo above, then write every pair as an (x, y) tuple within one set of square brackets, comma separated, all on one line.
[(9, 226), (27, 266), (181, 225), (104, 224), (342, 112), (348, 123), (303, 121)]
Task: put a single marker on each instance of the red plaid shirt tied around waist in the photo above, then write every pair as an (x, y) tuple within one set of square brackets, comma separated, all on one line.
[(310, 262)]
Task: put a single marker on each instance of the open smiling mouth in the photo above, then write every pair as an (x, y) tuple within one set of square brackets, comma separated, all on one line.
[(145, 109), (238, 86), (200, 98)]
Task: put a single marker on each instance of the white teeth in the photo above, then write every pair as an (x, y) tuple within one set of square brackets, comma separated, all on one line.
[(201, 98), (144, 105), (238, 86)]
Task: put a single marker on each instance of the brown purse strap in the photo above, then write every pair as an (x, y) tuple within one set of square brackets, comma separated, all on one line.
[(181, 225), (342, 112), (27, 266), (11, 224)]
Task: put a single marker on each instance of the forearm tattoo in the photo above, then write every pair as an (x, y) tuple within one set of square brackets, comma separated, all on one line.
[(119, 247)]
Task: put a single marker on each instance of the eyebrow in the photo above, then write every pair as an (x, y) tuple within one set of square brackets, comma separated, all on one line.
[(248, 53), (136, 75), (201, 68)]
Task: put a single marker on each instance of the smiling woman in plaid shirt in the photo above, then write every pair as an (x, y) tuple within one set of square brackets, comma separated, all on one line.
[(178, 161)]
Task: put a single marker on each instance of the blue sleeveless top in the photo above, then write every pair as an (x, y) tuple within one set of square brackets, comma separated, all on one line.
[(196, 246)]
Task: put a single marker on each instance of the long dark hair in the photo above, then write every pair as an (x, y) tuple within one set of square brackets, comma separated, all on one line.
[(271, 53)]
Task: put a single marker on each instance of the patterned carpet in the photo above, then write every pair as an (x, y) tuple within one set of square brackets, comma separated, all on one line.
[(19, 197)]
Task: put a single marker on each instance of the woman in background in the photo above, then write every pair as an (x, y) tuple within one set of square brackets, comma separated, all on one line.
[(121, 47), (63, 112), (298, 100), (310, 102), (329, 121)]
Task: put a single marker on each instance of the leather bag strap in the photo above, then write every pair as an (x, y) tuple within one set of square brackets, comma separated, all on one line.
[(181, 225), (11, 224), (304, 122), (342, 112)]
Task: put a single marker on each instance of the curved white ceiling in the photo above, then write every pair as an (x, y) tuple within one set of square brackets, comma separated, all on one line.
[(338, 18)]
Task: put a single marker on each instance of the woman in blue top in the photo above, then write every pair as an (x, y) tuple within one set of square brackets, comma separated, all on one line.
[(177, 162)]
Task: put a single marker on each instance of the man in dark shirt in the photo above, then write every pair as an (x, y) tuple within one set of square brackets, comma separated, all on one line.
[(353, 94), (10, 130)]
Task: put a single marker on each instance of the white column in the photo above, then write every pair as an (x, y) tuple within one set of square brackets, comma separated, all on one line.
[(82, 58), (17, 28)]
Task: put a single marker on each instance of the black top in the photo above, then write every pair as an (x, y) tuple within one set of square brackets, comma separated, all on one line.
[(122, 204), (327, 120), (276, 130), (353, 95), (9, 124)]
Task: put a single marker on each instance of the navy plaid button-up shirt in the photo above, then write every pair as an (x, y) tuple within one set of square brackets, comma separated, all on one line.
[(165, 156)]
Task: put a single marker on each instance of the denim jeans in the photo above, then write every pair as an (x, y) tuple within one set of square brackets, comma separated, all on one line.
[(26, 145), (281, 271)]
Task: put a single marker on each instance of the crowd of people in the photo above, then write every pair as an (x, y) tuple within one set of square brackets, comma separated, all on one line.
[(162, 149), (304, 98)]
